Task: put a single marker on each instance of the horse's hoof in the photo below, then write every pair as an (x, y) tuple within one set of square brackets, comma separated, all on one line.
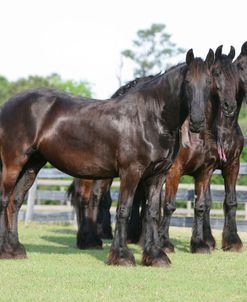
[(10, 252), (231, 243), (107, 236), (89, 246), (199, 246), (161, 260), (114, 258), (210, 241), (84, 243), (6, 255), (20, 252)]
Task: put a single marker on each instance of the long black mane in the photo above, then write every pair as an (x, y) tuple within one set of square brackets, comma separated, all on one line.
[(132, 84)]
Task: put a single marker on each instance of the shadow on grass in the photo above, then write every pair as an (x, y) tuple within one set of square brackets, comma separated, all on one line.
[(66, 245), (64, 242), (181, 245)]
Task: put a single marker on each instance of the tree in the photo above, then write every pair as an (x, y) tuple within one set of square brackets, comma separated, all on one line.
[(151, 50), (8, 88)]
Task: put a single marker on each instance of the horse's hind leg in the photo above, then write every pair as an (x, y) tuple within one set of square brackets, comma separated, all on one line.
[(87, 237), (10, 174), (207, 232), (23, 184), (230, 238)]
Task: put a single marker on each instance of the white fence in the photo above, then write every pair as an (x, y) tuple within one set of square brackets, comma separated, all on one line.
[(53, 177)]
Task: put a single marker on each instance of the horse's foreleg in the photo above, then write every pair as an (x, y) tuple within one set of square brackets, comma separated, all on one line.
[(153, 255), (207, 232), (230, 238), (197, 243), (169, 206), (119, 253)]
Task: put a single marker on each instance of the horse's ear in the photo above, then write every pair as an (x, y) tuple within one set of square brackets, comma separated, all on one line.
[(231, 54), (210, 58), (218, 52), (189, 56), (244, 49)]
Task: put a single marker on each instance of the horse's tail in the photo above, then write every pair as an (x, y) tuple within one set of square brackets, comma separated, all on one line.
[(71, 192)]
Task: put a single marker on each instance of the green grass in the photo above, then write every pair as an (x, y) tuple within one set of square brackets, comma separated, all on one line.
[(56, 271)]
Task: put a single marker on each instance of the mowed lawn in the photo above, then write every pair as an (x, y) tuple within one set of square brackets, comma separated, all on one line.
[(56, 270)]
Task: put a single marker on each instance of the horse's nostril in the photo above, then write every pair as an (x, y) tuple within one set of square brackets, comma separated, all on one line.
[(226, 105)]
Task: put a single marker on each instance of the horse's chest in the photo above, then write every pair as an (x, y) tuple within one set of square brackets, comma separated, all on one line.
[(203, 154), (164, 158)]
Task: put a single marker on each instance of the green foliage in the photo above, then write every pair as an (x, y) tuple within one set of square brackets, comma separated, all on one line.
[(56, 270), (243, 119), (151, 50), (8, 88)]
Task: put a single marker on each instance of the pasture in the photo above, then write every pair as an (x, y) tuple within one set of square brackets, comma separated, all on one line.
[(56, 270)]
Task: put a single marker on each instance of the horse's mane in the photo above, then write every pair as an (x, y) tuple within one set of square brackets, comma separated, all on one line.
[(131, 84), (154, 81), (173, 67)]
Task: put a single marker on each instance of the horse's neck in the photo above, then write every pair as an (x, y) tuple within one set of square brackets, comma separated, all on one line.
[(168, 104)]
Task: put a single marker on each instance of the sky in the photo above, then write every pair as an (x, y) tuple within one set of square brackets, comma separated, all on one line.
[(82, 40)]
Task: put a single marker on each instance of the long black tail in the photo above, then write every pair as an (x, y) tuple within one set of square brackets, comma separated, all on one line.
[(71, 193)]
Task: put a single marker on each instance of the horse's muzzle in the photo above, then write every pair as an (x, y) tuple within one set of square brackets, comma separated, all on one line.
[(229, 109)]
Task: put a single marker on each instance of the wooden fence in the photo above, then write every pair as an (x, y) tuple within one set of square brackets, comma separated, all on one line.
[(55, 178)]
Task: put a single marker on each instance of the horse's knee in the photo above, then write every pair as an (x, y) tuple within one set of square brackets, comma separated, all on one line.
[(4, 203), (200, 208), (231, 201), (153, 213), (123, 213)]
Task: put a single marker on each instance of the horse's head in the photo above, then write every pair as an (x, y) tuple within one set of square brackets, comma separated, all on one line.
[(225, 81), (241, 63), (197, 88)]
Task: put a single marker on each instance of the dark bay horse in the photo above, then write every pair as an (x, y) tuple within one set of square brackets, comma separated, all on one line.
[(217, 147), (91, 198), (135, 136)]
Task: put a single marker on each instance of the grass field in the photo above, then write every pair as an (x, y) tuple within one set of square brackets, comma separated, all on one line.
[(56, 271)]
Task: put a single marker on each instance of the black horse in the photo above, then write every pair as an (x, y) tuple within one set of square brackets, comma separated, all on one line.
[(91, 199), (135, 136), (217, 147)]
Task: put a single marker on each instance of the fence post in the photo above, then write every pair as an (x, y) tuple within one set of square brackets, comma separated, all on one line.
[(30, 202), (189, 207)]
